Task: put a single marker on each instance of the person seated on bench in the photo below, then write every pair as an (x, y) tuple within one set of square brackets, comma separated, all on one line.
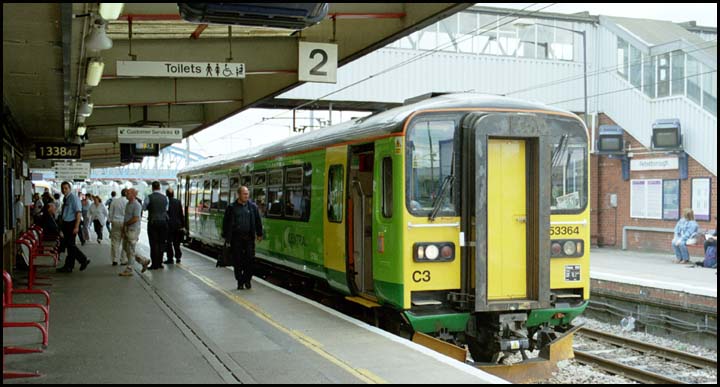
[(685, 229), (48, 222), (710, 246)]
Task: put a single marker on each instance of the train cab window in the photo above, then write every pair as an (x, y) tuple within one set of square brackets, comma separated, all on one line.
[(259, 192), (234, 185), (569, 166), (204, 201), (387, 188), (224, 193), (275, 193), (335, 194), (430, 157), (293, 192)]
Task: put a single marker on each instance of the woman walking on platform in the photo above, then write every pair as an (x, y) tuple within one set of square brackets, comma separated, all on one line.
[(98, 213)]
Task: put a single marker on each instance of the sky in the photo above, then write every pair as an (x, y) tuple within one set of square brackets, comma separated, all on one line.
[(260, 126)]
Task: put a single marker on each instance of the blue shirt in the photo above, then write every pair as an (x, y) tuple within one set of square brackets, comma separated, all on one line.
[(685, 229), (71, 206)]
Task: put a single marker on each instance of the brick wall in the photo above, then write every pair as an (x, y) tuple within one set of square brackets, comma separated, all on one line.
[(607, 222)]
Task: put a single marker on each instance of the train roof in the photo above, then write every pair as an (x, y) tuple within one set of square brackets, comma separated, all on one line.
[(376, 125)]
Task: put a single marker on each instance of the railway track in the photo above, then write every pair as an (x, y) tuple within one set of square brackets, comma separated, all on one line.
[(633, 373)]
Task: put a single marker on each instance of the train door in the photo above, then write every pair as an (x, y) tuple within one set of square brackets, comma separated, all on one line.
[(360, 205), (335, 218), (506, 211)]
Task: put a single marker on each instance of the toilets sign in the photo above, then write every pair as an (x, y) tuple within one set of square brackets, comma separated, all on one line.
[(181, 69)]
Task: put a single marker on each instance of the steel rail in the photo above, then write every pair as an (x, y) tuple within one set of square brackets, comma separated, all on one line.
[(650, 349), (627, 371)]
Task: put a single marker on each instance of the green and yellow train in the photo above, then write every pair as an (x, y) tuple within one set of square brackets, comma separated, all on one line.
[(467, 214)]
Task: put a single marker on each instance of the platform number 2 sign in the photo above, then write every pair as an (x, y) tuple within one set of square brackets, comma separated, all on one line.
[(317, 62)]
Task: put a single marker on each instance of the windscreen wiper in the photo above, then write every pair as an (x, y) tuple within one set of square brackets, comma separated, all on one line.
[(447, 182), (559, 150)]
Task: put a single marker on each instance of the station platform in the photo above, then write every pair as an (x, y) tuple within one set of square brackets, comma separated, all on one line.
[(187, 323), (653, 277)]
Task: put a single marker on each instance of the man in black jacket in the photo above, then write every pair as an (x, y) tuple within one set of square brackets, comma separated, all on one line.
[(157, 205), (242, 226), (176, 228)]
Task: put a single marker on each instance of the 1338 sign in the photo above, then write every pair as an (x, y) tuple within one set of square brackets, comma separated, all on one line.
[(57, 151)]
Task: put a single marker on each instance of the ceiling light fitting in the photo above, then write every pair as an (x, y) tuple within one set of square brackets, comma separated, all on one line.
[(98, 40), (86, 107), (111, 11), (94, 71)]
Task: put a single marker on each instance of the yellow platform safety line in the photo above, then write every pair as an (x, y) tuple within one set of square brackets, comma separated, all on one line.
[(364, 375), (363, 301)]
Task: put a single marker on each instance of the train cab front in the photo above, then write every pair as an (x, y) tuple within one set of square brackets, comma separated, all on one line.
[(490, 197)]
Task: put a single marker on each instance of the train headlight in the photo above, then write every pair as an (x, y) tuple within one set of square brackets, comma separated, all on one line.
[(569, 248), (434, 252), (566, 248)]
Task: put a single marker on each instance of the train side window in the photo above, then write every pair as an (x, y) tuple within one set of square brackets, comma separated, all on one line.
[(180, 191), (204, 202), (335, 194), (224, 193), (293, 192), (234, 185), (259, 192), (192, 201), (275, 193), (387, 188), (246, 180), (307, 191), (215, 195)]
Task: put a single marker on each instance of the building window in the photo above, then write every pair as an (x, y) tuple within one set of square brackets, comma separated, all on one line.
[(678, 73), (693, 79), (710, 90), (636, 67), (622, 57), (663, 75), (649, 76)]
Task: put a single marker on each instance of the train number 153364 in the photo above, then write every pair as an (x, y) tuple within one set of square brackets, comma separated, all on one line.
[(564, 230)]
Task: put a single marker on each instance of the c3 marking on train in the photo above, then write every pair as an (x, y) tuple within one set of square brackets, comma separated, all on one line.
[(421, 276)]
